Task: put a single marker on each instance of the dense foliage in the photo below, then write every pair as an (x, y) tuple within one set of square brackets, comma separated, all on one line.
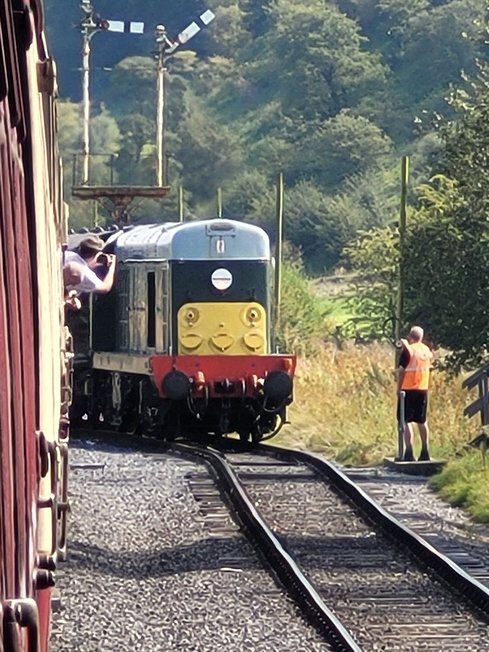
[(330, 94), (327, 93), (447, 254), (446, 251)]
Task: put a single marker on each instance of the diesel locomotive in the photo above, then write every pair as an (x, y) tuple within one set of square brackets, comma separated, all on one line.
[(182, 345), (34, 349)]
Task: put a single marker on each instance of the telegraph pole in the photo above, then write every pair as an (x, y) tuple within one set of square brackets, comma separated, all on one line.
[(402, 236), (278, 247), (400, 294), (161, 43), (90, 25), (219, 202)]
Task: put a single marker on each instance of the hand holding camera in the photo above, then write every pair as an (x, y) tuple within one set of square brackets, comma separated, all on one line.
[(105, 260)]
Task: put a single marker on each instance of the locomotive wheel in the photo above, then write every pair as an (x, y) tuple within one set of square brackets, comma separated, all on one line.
[(244, 435), (256, 434), (129, 423)]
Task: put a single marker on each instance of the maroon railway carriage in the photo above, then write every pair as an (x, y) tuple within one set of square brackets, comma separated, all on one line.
[(33, 356)]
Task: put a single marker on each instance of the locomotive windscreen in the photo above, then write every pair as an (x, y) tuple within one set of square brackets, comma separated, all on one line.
[(192, 281)]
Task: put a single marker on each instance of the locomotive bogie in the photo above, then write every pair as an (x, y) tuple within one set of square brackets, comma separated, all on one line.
[(135, 391)]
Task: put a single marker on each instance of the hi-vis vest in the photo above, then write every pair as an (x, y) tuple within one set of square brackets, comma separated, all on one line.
[(417, 373)]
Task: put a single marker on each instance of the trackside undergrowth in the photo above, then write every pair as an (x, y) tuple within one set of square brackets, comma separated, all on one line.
[(345, 408)]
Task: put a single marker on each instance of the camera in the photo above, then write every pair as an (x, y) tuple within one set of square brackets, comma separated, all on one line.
[(103, 259)]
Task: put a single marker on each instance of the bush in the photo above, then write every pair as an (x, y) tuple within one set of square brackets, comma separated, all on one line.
[(302, 323)]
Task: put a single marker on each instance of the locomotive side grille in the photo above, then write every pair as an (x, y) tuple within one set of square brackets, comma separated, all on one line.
[(142, 306), (123, 308)]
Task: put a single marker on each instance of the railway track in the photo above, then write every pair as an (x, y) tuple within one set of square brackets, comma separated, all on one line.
[(387, 587), (362, 579), (156, 563)]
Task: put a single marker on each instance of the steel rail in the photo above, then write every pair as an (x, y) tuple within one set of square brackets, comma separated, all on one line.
[(469, 588), (281, 562), (455, 576), (292, 578)]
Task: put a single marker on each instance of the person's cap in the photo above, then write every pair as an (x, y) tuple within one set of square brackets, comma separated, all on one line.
[(91, 242)]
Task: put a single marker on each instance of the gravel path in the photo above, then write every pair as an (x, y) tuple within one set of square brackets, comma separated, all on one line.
[(145, 572)]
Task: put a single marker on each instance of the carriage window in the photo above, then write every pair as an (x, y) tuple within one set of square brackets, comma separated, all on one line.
[(151, 321)]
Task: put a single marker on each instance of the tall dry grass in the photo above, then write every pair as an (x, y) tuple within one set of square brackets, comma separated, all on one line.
[(345, 407)]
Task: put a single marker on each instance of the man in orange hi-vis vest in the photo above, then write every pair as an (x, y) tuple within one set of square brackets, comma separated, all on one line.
[(413, 380)]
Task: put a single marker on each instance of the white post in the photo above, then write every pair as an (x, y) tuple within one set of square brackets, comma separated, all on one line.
[(160, 41), (86, 108)]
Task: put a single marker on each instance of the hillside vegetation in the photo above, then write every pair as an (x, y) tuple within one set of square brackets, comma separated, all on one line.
[(345, 397), (329, 93)]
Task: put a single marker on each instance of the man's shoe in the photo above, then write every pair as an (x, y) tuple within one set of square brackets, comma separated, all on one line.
[(408, 456), (424, 456)]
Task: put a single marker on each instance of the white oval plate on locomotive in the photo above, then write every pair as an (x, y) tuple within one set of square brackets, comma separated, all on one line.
[(222, 279)]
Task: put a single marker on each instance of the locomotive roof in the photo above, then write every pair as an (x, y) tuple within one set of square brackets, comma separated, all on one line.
[(201, 240)]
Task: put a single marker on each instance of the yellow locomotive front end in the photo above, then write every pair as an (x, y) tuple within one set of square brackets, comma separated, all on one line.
[(222, 328)]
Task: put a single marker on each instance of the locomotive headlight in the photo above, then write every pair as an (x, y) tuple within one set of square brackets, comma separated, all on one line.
[(192, 316), (253, 315), (222, 279)]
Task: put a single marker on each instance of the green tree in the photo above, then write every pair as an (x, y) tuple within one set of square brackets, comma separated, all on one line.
[(105, 140), (342, 146), (433, 31), (302, 322), (310, 226), (320, 73), (374, 257), (135, 162), (245, 197), (231, 33), (447, 251), (257, 15), (209, 152)]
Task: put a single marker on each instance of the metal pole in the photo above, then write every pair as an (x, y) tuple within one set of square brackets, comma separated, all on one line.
[(160, 41), (219, 202), (402, 235), (113, 158), (278, 248), (86, 106), (180, 204), (90, 25), (400, 293), (401, 425)]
